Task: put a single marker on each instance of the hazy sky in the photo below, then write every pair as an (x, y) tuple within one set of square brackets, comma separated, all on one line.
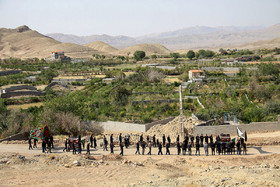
[(134, 17)]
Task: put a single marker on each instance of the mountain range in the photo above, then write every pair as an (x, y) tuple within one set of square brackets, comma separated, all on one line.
[(187, 38)]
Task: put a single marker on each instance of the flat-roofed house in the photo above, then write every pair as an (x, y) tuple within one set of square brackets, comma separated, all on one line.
[(195, 74)]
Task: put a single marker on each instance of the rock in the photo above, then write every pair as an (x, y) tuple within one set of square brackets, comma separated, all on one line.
[(77, 163), (4, 161), (67, 166)]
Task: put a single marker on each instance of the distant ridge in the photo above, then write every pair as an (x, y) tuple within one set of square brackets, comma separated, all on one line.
[(102, 47)]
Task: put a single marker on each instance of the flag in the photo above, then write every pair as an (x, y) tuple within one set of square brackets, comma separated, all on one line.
[(40, 133), (239, 133)]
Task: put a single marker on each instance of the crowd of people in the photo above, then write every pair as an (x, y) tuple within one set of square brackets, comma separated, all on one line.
[(217, 146)]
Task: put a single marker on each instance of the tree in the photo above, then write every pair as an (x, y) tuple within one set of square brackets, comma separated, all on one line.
[(222, 51), (190, 54), (120, 95), (175, 55), (154, 57), (139, 55)]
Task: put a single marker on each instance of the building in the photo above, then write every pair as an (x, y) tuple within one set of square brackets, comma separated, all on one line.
[(59, 55), (196, 74)]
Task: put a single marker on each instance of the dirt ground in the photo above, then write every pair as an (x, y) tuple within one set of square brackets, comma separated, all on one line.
[(22, 167)]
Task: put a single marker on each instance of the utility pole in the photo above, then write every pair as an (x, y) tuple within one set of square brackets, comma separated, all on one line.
[(181, 110)]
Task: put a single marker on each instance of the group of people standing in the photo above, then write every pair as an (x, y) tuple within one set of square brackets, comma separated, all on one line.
[(47, 144)]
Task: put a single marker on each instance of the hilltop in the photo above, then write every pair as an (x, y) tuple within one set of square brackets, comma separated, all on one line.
[(101, 46), (150, 49), (23, 42)]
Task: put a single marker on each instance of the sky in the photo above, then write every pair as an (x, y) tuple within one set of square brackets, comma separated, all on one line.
[(134, 17)]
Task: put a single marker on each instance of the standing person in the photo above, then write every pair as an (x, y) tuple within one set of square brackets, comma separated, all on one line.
[(111, 139), (150, 148), (65, 144), (178, 138), (201, 140), (159, 149), (157, 142), (120, 139), (212, 147), (206, 148), (190, 148), (43, 145), (148, 138), (218, 138), (197, 147), (163, 140), (51, 139), (105, 142), (141, 138), (244, 148), (184, 147), (178, 148), (192, 141), (137, 148), (112, 148), (196, 139), (91, 141), (211, 139), (49, 146), (79, 146), (74, 147), (143, 145), (238, 147), (219, 147), (35, 143), (154, 140), (169, 140), (121, 146), (88, 148), (206, 138), (167, 148), (94, 142), (30, 143)]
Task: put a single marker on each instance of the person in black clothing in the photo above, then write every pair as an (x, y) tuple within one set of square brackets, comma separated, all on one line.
[(154, 140), (218, 138), (43, 145), (192, 140), (91, 141), (211, 139), (150, 148), (184, 148), (141, 138), (148, 138), (105, 142), (169, 140), (49, 146), (206, 138), (244, 148), (196, 139), (178, 148), (201, 140), (51, 139), (223, 148), (232, 147), (80, 147), (219, 147), (30, 143), (143, 145), (111, 139), (163, 140), (137, 148), (35, 143), (190, 148), (197, 146), (159, 149), (74, 147), (212, 145), (120, 139), (186, 140), (178, 138), (65, 148), (238, 147), (88, 148), (112, 147), (242, 141), (94, 142), (167, 149), (121, 146)]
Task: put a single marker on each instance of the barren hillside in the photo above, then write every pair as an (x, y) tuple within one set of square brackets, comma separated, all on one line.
[(23, 42), (101, 46), (149, 49)]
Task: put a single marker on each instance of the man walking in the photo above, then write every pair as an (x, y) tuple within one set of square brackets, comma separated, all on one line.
[(143, 145), (163, 140), (30, 143), (150, 148), (137, 148), (159, 149), (167, 148)]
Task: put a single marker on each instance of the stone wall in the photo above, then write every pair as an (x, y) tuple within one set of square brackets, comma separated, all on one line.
[(114, 126), (231, 129), (22, 93)]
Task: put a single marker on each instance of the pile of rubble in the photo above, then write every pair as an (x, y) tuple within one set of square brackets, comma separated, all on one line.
[(173, 128)]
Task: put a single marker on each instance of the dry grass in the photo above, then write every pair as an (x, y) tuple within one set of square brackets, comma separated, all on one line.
[(24, 106), (171, 79)]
